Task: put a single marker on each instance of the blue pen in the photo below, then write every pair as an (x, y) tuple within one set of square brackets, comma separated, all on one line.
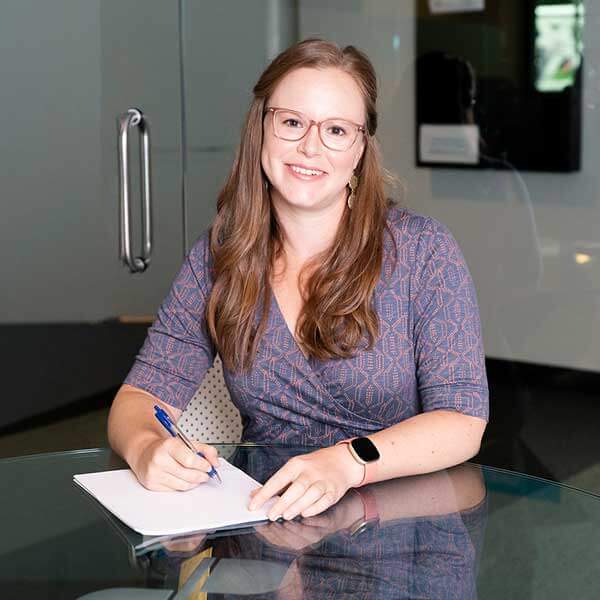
[(174, 430)]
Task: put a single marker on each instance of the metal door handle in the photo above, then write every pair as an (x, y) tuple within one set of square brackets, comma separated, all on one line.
[(134, 118)]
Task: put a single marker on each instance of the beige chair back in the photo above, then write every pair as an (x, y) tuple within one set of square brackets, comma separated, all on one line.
[(211, 416)]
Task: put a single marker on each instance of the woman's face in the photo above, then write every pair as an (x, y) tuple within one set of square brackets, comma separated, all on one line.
[(319, 94)]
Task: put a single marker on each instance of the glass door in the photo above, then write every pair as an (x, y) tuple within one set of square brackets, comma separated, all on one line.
[(70, 70)]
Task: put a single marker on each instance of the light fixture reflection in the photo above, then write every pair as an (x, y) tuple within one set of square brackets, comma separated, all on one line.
[(582, 259)]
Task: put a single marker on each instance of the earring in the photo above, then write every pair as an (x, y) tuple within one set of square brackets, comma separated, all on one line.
[(352, 184)]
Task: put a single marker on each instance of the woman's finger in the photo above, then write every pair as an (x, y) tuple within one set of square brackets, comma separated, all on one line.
[(183, 464), (322, 504), (314, 493), (187, 459), (192, 476), (210, 453), (294, 492), (277, 482)]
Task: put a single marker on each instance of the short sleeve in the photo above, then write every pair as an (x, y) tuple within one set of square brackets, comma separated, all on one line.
[(448, 343), (178, 351)]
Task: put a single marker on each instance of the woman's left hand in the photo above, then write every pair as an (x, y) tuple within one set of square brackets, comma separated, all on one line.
[(314, 482)]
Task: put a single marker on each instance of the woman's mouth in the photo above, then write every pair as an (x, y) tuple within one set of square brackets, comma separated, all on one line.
[(306, 174)]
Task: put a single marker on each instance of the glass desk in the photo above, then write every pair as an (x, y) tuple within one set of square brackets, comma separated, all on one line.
[(469, 532)]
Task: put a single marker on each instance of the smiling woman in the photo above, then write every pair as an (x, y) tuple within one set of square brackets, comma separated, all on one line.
[(337, 315), (310, 140), (299, 217)]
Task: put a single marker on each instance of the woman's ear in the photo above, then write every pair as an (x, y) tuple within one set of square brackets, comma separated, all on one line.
[(359, 154)]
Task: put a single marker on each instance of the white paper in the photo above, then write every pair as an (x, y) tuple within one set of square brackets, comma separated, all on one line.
[(207, 507), (452, 144), (439, 7)]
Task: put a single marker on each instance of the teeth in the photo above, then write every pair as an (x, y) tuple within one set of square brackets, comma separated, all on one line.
[(305, 171)]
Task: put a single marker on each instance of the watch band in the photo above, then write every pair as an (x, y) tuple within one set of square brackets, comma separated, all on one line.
[(369, 502), (371, 513), (370, 472)]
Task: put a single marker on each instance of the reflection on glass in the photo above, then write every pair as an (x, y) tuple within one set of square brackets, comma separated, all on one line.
[(523, 62), (425, 543), (558, 45), (582, 259)]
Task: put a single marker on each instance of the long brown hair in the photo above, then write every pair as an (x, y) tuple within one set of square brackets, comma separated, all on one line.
[(245, 239)]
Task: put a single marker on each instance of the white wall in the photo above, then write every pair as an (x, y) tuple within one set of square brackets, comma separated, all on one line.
[(519, 231)]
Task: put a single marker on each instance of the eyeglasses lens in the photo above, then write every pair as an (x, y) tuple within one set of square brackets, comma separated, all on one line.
[(336, 134)]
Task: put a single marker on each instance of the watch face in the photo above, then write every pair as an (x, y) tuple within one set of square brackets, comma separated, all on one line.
[(365, 449)]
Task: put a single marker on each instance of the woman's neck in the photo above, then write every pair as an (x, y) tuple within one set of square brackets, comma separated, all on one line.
[(307, 233)]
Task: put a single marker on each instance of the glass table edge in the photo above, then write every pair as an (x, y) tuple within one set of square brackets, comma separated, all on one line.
[(535, 478), (83, 451), (92, 451), (36, 455)]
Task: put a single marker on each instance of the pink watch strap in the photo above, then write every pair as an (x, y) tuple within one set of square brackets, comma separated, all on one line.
[(370, 473), (370, 504)]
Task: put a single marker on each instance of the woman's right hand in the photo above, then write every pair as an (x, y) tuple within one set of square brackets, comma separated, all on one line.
[(167, 464), (160, 463)]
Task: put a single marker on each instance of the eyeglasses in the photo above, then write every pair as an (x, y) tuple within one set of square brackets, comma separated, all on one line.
[(336, 134)]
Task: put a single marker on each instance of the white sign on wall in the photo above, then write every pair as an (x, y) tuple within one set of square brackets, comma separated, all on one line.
[(451, 144)]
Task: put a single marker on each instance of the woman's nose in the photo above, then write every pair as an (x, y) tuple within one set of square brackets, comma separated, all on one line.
[(310, 144)]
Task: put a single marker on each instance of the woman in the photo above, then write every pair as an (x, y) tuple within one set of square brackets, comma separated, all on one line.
[(335, 315)]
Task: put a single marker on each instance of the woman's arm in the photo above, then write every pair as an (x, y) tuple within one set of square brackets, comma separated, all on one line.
[(427, 442), (422, 444), (170, 365), (131, 422)]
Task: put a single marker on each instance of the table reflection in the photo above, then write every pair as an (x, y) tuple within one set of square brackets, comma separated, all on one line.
[(426, 544)]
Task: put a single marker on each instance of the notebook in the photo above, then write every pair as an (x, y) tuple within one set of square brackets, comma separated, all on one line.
[(138, 544), (208, 507)]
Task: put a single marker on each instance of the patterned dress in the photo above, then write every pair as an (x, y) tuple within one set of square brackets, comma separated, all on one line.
[(428, 354)]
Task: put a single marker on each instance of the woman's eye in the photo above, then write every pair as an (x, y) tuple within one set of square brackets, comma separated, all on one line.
[(292, 123), (337, 130)]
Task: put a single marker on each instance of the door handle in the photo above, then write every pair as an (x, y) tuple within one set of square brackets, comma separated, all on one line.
[(134, 118)]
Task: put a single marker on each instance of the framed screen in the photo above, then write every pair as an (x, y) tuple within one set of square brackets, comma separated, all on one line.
[(498, 84)]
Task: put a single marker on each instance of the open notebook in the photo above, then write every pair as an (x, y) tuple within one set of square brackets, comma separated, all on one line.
[(208, 507)]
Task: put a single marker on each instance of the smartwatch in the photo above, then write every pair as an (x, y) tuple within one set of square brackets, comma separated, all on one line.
[(364, 452)]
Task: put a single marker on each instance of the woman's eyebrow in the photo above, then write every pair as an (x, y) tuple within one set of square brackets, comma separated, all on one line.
[(329, 118)]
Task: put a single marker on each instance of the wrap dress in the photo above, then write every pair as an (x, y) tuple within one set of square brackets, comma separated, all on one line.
[(428, 354)]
